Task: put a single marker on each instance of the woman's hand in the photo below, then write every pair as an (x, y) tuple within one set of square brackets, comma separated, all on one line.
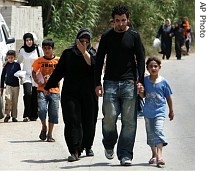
[(81, 46)]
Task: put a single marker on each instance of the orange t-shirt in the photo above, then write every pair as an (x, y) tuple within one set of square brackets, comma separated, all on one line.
[(46, 68)]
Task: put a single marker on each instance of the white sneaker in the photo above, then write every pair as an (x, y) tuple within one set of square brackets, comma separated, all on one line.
[(125, 161), (109, 153)]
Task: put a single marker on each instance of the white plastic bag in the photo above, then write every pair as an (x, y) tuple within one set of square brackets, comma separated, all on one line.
[(156, 42), (40, 77)]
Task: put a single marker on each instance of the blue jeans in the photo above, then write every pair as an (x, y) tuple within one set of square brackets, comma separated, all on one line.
[(48, 103), (119, 96)]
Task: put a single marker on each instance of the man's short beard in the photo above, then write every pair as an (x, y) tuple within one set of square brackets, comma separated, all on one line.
[(120, 29)]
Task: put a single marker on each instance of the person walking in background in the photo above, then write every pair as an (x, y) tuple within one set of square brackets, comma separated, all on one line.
[(123, 48), (165, 32), (78, 100), (187, 33), (47, 102), (188, 41), (157, 92), (12, 86), (27, 54), (98, 40), (179, 39), (111, 23)]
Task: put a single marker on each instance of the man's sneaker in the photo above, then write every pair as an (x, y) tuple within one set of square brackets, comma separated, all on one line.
[(7, 118), (109, 153), (14, 120), (125, 161)]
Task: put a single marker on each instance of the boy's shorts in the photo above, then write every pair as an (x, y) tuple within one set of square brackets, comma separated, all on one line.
[(48, 104)]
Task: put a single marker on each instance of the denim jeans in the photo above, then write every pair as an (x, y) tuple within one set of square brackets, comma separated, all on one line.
[(154, 130), (48, 104), (119, 96)]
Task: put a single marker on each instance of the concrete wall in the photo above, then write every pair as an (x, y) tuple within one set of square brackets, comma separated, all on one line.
[(13, 2), (22, 19)]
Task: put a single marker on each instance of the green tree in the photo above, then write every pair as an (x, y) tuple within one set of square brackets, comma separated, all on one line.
[(63, 18), (69, 16)]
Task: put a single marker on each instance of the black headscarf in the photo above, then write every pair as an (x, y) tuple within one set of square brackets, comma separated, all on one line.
[(26, 48), (82, 33)]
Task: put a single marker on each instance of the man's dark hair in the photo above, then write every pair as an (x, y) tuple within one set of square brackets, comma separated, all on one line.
[(48, 42), (11, 52), (120, 10)]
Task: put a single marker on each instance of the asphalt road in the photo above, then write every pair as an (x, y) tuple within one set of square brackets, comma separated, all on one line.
[(21, 149)]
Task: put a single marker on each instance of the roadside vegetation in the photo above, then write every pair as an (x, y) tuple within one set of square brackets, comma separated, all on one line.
[(63, 18)]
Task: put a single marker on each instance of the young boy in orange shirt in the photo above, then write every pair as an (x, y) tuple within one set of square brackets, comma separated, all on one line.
[(47, 103)]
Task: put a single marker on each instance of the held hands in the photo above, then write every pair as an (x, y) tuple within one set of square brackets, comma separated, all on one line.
[(140, 88), (99, 91)]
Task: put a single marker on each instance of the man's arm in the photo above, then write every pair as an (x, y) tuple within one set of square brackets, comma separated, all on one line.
[(140, 58), (100, 55)]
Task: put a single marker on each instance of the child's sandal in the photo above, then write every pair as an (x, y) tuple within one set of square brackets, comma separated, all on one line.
[(153, 160), (160, 163), (50, 139), (43, 135)]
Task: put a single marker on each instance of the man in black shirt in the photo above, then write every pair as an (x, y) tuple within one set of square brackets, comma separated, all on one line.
[(124, 53)]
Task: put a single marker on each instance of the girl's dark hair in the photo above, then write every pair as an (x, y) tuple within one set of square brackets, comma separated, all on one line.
[(120, 10), (48, 42), (153, 58), (11, 52)]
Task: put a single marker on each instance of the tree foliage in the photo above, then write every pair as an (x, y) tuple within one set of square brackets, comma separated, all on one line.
[(72, 15), (63, 18)]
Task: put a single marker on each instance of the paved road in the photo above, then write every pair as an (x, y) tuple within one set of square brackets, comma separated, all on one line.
[(21, 149)]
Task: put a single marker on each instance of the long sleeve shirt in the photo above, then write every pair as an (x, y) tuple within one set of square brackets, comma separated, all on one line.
[(124, 56), (7, 75)]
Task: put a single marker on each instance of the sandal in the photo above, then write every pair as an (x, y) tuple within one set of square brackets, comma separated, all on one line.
[(160, 163), (43, 135), (50, 139), (153, 160)]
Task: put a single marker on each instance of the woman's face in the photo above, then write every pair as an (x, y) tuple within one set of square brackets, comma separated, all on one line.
[(84, 41), (29, 42), (167, 22)]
